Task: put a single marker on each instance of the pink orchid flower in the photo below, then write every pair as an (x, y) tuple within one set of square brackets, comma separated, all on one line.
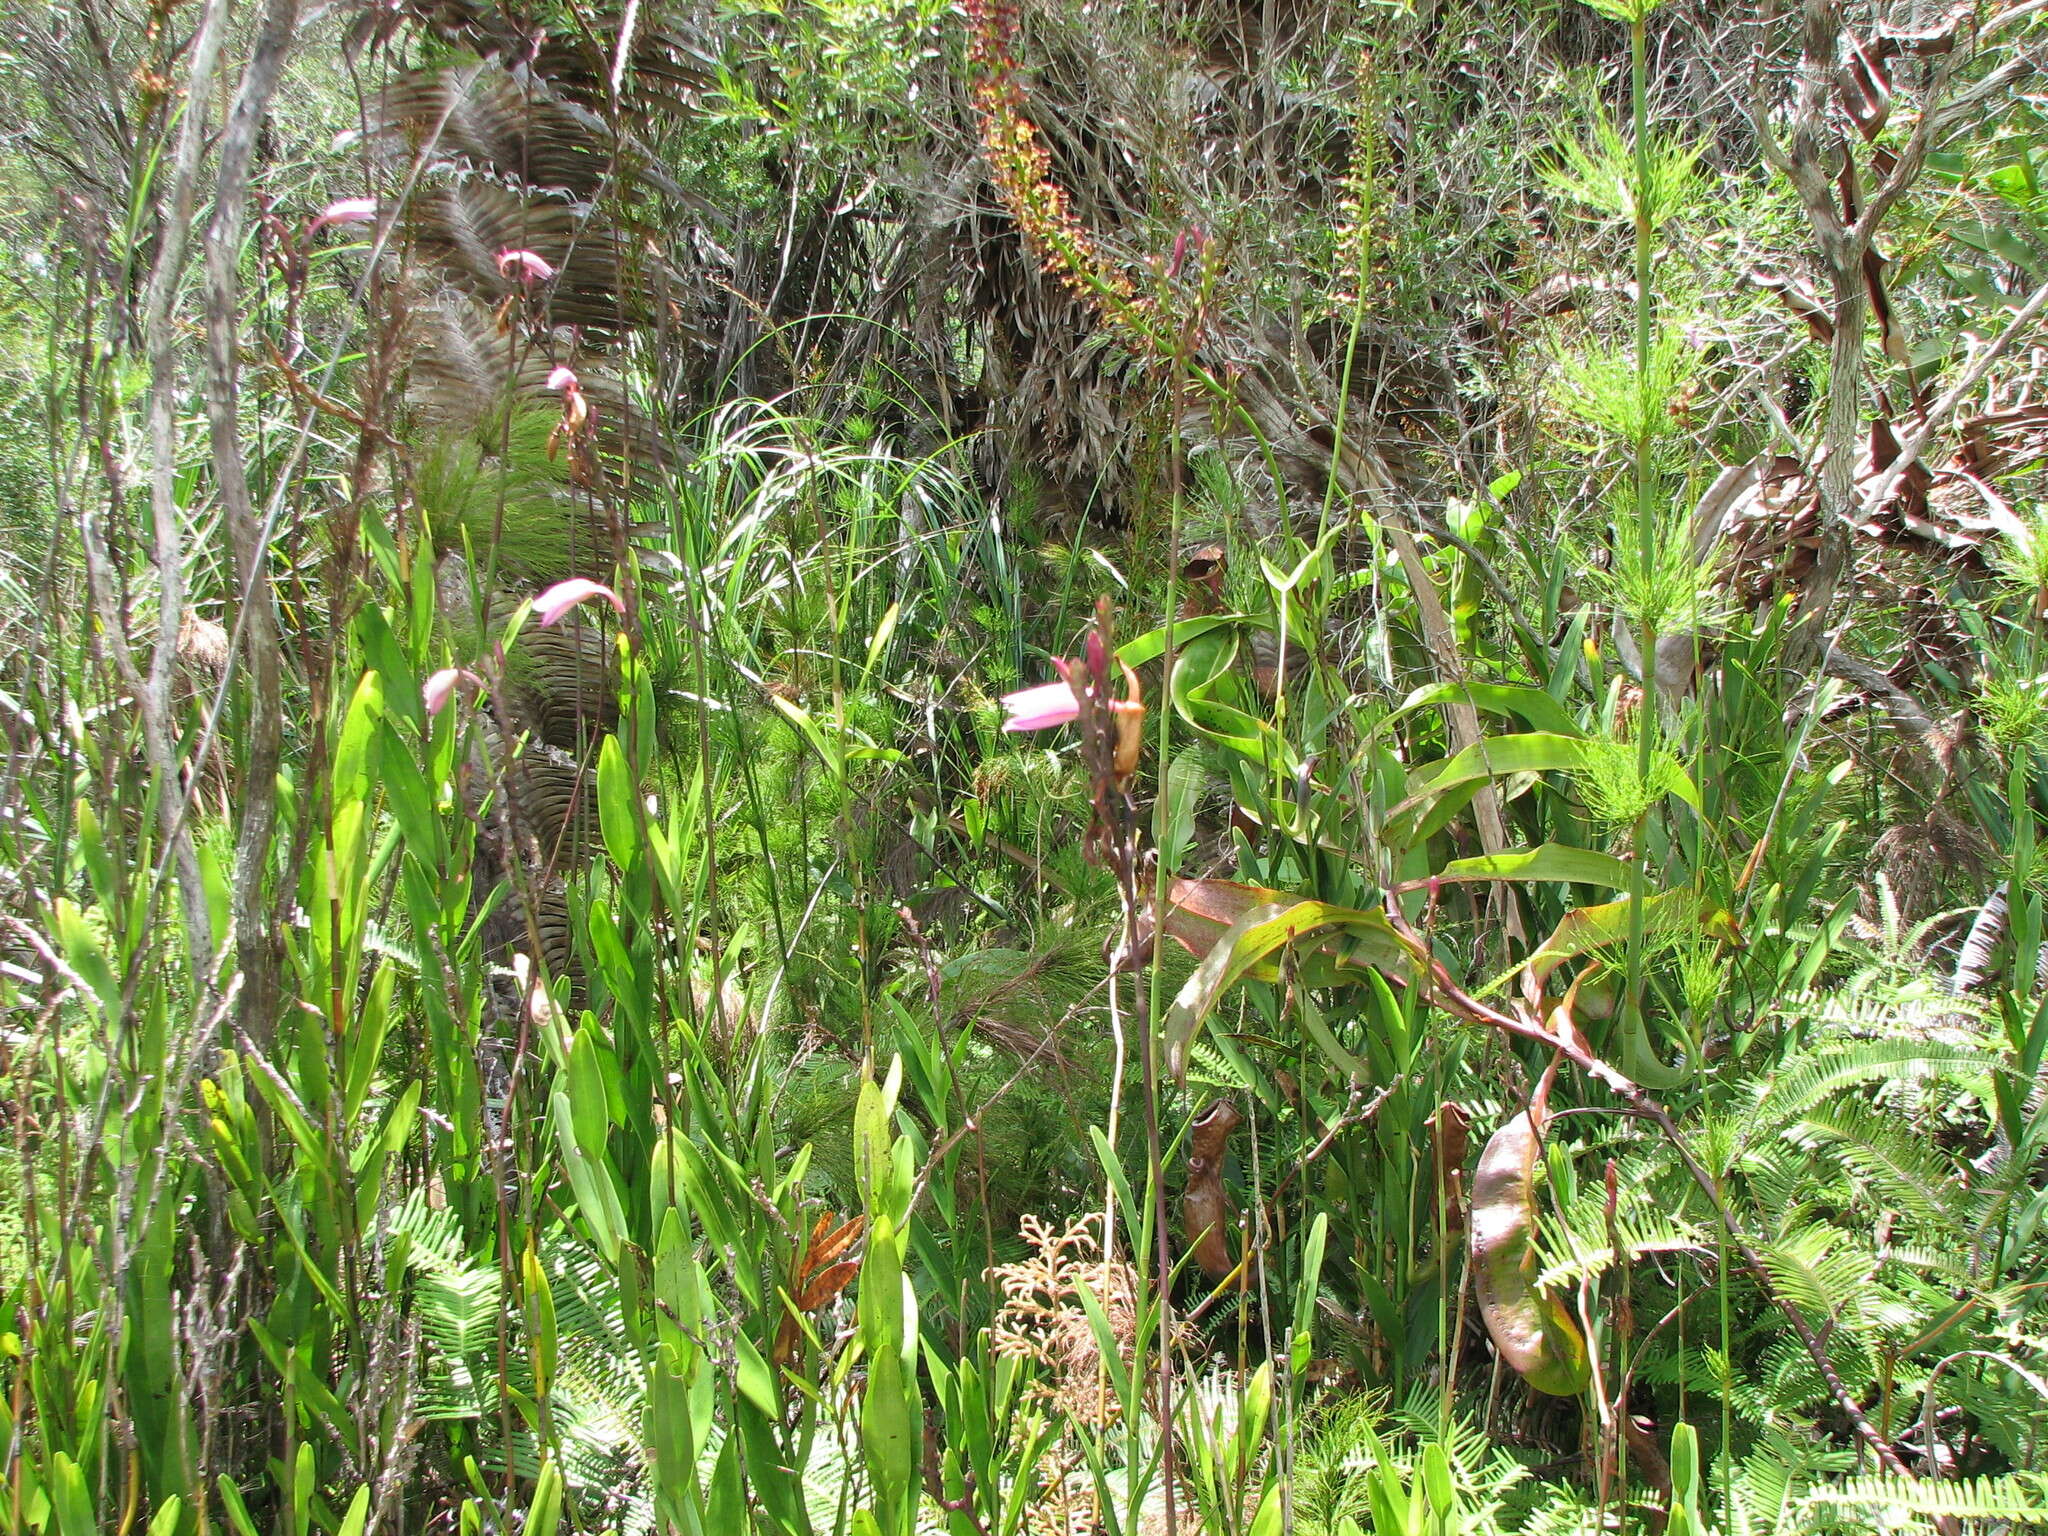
[(349, 210), (529, 267), (440, 688), (559, 599), (1037, 709), (575, 409)]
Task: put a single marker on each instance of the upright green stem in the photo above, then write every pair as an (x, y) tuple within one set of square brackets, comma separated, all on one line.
[(1646, 529), (1646, 520), (1149, 1042), (1646, 532), (1639, 107)]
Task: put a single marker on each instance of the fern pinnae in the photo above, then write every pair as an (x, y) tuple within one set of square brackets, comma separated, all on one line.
[(1645, 1232), (1889, 1155), (2015, 1496), (1808, 1081)]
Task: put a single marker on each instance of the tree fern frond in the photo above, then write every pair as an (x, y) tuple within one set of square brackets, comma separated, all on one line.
[(463, 229), (1975, 955), (668, 63), (467, 373)]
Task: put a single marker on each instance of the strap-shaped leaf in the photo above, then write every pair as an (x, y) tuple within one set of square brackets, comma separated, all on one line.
[(1591, 928), (1533, 706), (1203, 688), (1151, 645), (1440, 790), (1199, 912), (1347, 936), (1492, 758), (1551, 861)]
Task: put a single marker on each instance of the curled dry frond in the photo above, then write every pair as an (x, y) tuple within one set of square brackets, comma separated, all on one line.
[(466, 370), (477, 117)]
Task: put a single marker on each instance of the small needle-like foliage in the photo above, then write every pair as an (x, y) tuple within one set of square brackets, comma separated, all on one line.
[(1599, 173)]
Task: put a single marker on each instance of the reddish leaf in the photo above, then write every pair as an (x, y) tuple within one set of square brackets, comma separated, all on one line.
[(825, 1248), (823, 1289)]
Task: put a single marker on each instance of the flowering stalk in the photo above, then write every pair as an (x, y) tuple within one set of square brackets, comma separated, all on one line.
[(1112, 734), (1112, 730), (1022, 169), (575, 428)]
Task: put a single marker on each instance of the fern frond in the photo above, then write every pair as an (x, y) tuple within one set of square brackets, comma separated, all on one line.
[(2014, 1496), (1771, 1482), (1890, 1156), (462, 229), (1807, 1081), (467, 373), (475, 115), (433, 1233), (1643, 1232), (1780, 1183), (1820, 1271)]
